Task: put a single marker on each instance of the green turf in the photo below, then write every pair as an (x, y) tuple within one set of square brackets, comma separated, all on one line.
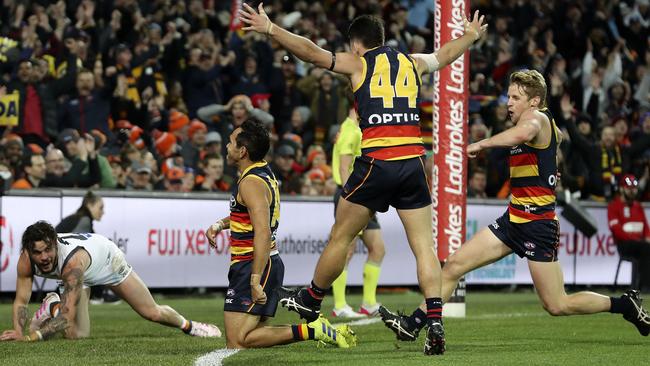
[(501, 329)]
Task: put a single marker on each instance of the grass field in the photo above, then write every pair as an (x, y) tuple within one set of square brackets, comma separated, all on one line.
[(500, 329)]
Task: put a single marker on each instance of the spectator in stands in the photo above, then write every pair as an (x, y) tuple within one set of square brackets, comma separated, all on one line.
[(38, 120), (14, 152), (285, 95), (174, 180), (326, 95), (33, 172), (140, 177), (301, 126), (202, 85), (313, 183), (120, 172), (629, 226), (477, 183), (288, 179), (192, 148), (213, 179), (84, 170), (251, 79), (89, 109), (213, 143), (179, 124)]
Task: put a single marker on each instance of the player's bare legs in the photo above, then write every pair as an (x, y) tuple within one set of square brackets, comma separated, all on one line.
[(246, 331), (549, 282), (375, 244), (482, 249), (351, 218), (136, 294), (418, 226), (419, 232)]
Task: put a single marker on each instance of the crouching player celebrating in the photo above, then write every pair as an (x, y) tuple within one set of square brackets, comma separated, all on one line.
[(81, 261), (256, 270)]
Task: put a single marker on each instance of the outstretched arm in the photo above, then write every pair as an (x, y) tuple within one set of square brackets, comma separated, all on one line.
[(301, 47), (452, 50), (522, 132)]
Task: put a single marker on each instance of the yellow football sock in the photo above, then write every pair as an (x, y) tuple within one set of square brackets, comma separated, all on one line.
[(338, 290), (370, 279)]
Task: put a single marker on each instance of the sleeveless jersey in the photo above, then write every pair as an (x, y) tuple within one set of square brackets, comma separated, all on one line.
[(387, 102), (241, 228), (533, 177), (106, 259)]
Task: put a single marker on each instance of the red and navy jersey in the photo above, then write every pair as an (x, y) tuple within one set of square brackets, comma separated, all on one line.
[(387, 101), (533, 176), (241, 228)]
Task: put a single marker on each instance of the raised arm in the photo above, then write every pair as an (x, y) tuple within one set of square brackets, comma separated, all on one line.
[(452, 50), (257, 197), (72, 277), (301, 47)]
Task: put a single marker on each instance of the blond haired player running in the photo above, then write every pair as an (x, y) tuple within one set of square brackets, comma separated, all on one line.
[(81, 261), (529, 227)]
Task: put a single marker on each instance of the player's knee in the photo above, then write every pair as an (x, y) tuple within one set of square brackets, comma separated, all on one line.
[(452, 268), (339, 237), (234, 340), (554, 309), (376, 253)]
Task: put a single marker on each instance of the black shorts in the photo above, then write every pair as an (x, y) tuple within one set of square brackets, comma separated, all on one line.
[(238, 297), (373, 224), (537, 241), (378, 184)]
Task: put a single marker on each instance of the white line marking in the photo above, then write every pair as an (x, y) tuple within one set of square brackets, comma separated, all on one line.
[(215, 358)]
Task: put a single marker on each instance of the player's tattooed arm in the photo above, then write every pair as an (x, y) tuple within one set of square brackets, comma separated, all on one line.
[(22, 316), (64, 321), (72, 277)]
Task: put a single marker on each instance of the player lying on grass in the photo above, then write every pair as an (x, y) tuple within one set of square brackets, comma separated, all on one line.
[(256, 269), (81, 261)]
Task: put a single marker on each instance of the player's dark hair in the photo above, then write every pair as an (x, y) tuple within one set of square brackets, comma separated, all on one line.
[(41, 230), (367, 29), (254, 136)]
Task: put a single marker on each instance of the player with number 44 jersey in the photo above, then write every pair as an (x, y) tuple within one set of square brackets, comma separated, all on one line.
[(390, 170)]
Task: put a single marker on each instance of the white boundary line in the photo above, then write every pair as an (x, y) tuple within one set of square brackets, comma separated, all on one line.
[(216, 357)]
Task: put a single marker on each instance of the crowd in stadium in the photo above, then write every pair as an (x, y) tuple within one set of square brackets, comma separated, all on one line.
[(143, 95)]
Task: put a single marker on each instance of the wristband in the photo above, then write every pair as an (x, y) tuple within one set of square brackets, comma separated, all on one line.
[(255, 279), (217, 226), (269, 29), (333, 62), (39, 335)]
